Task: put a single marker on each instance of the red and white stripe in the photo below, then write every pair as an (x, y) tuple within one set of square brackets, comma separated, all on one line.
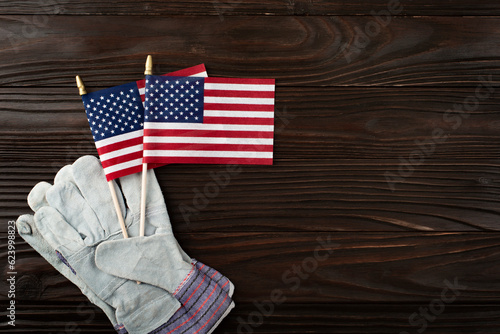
[(237, 128), (122, 155)]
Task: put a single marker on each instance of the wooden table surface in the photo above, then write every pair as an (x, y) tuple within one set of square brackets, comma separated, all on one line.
[(386, 150)]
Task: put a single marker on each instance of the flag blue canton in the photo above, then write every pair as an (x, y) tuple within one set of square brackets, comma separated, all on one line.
[(174, 99), (114, 111)]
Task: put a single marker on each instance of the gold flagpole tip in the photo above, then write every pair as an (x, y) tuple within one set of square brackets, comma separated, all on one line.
[(81, 86), (149, 66)]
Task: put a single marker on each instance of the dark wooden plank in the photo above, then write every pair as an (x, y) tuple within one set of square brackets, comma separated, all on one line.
[(333, 150), (346, 268), (82, 317), (224, 8), (306, 51)]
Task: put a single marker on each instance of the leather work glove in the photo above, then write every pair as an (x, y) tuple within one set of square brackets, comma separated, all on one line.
[(75, 229)]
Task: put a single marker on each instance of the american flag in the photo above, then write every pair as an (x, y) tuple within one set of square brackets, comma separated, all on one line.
[(116, 120), (209, 120)]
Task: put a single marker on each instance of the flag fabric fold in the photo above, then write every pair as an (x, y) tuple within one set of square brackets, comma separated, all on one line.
[(208, 120), (116, 119)]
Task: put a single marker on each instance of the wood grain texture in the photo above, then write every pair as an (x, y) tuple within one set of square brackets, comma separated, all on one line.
[(299, 51), (333, 267), (225, 8)]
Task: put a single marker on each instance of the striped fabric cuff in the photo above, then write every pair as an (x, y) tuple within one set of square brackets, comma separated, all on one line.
[(204, 304), (216, 276)]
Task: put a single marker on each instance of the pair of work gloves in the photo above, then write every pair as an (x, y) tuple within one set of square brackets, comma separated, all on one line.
[(75, 228)]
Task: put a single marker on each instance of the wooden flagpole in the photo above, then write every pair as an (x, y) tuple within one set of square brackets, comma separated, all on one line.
[(81, 88), (148, 71)]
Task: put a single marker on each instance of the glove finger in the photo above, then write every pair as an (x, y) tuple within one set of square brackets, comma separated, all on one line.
[(25, 225), (36, 197), (68, 201), (156, 210), (56, 231), (28, 231), (153, 260), (133, 228), (91, 182), (65, 174), (132, 186)]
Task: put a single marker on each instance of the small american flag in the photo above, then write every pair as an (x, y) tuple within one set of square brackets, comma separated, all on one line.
[(209, 120), (116, 119)]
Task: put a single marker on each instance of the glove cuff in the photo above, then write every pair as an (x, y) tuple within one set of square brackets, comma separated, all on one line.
[(217, 277), (204, 305)]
